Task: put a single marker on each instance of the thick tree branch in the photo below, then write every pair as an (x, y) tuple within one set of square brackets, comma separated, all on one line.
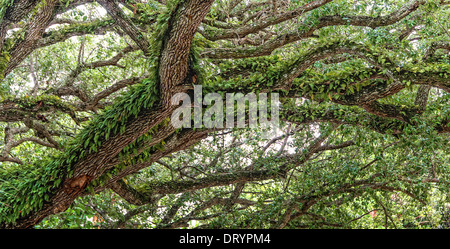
[(173, 62), (126, 24)]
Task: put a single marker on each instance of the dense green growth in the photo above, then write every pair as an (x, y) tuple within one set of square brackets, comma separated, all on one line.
[(27, 188), (364, 107)]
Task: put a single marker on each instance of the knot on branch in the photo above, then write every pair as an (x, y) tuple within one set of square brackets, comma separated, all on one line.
[(75, 185)]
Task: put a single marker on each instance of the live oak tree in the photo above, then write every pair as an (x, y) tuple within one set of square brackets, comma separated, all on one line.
[(85, 109)]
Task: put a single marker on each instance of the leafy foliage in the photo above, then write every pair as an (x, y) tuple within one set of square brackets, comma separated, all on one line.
[(365, 115)]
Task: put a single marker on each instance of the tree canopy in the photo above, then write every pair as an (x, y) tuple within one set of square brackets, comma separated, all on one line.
[(86, 92)]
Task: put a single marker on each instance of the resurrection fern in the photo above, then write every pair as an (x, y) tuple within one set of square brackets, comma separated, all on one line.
[(4, 4), (26, 188), (267, 71), (9, 43), (5, 56)]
